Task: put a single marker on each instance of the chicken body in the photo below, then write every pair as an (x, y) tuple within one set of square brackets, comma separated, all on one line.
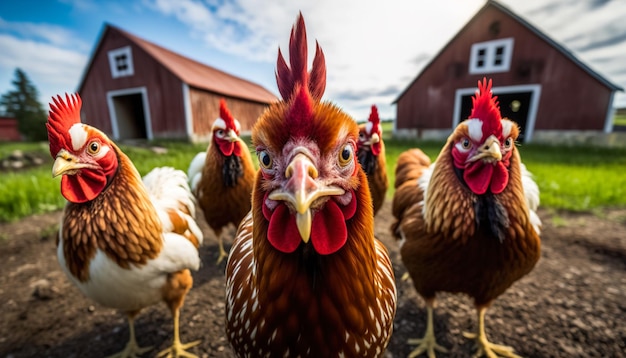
[(305, 276), (371, 154), (125, 243), (467, 223), (222, 177)]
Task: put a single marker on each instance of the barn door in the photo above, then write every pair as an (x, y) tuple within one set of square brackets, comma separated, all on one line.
[(517, 103), (130, 117)]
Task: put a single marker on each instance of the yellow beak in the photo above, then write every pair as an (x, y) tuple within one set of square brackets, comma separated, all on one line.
[(66, 163), (302, 190), (373, 139), (489, 152), (232, 136)]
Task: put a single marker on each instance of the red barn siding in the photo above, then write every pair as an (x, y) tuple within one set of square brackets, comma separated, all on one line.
[(206, 108), (164, 90), (571, 98), (9, 130)]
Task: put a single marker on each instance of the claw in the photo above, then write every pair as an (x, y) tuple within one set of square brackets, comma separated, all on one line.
[(483, 346)]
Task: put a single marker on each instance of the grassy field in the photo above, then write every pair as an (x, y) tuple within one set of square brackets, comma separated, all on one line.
[(571, 178), (620, 118)]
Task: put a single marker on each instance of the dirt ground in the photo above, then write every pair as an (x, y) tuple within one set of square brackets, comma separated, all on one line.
[(572, 305)]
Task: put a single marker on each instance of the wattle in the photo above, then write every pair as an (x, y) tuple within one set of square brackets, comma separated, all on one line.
[(328, 230), (228, 148), (480, 177), (82, 187), (376, 149)]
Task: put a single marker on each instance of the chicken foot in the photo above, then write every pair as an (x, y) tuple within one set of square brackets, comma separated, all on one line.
[(484, 347), (132, 349), (427, 344), (222, 254), (178, 349), (174, 292)]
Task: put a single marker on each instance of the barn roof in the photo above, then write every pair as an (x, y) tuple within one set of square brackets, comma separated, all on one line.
[(192, 72), (567, 53)]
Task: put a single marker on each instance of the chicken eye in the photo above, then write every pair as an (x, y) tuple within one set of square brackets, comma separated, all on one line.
[(508, 143), (346, 154), (265, 160), (466, 144), (362, 136), (220, 133), (93, 148)]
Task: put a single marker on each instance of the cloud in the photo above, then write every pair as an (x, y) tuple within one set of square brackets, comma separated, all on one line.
[(46, 33), (52, 56), (80, 5), (367, 46), (373, 50), (51, 68)]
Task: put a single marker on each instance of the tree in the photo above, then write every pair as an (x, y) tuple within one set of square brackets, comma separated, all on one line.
[(22, 103)]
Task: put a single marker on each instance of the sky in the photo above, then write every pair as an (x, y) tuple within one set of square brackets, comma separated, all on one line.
[(373, 49)]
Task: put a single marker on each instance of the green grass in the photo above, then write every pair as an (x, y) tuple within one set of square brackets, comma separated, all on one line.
[(571, 178), (578, 178), (620, 119)]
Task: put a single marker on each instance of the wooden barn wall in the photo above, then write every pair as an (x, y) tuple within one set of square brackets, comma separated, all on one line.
[(570, 97), (206, 108), (9, 129), (164, 90)]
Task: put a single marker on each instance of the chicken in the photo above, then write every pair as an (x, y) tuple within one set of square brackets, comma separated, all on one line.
[(222, 177), (371, 154), (305, 275), (124, 243), (467, 223)]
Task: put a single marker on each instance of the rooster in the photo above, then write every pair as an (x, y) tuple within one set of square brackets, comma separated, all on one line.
[(305, 275), (371, 154), (467, 223), (222, 177), (124, 242)]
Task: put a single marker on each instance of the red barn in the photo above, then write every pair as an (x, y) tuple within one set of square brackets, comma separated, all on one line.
[(9, 130), (540, 84), (135, 89)]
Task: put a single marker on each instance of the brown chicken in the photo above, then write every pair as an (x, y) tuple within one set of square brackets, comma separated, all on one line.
[(305, 275), (124, 242), (222, 177), (371, 154), (467, 223)]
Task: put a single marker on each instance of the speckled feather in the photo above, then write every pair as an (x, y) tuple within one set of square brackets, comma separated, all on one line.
[(122, 222), (442, 246), (303, 303), (375, 166), (223, 204)]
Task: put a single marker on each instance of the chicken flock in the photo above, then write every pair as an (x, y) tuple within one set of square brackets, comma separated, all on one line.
[(305, 275)]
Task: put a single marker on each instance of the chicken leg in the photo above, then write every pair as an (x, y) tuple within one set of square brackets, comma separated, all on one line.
[(178, 349), (484, 347), (132, 349), (174, 292), (427, 344), (223, 253)]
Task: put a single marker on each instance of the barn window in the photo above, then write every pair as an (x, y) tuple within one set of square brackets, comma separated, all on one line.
[(121, 62), (491, 56)]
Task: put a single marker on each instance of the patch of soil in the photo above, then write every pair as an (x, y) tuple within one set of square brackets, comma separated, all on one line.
[(573, 304)]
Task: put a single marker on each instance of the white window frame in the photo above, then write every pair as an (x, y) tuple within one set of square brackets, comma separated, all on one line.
[(126, 51), (535, 89), (490, 56)]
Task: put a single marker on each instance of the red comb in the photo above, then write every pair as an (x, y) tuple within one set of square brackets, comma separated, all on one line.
[(62, 116), (374, 115), (227, 116), (487, 109), (288, 78), (297, 85)]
